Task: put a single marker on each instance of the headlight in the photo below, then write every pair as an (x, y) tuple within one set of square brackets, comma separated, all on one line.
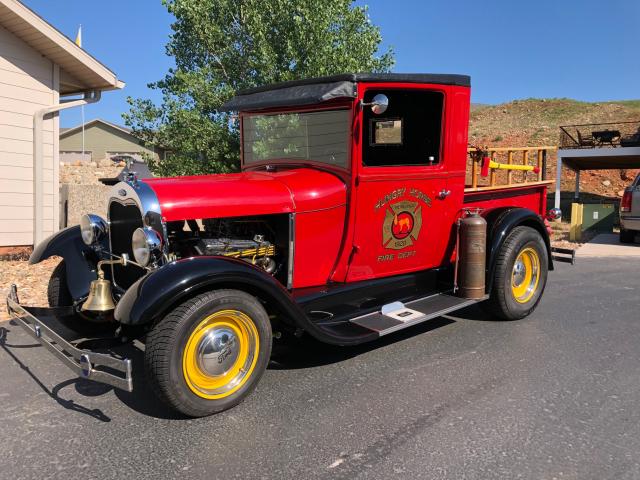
[(146, 244), (92, 228)]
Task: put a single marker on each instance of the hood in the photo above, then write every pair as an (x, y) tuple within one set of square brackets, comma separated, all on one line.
[(247, 193)]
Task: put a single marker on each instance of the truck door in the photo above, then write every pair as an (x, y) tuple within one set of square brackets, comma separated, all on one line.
[(403, 213)]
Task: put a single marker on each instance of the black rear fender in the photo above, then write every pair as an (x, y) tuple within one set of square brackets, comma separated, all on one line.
[(500, 223), (79, 259)]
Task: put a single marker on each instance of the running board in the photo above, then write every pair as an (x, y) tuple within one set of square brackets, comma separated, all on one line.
[(397, 315)]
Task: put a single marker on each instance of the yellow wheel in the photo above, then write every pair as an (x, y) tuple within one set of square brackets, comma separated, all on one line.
[(220, 354), (525, 275), (520, 275), (209, 353)]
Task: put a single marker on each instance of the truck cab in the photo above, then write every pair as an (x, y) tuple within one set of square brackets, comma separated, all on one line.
[(351, 218)]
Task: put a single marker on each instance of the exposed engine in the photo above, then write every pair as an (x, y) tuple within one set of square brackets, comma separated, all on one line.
[(235, 238), (257, 251)]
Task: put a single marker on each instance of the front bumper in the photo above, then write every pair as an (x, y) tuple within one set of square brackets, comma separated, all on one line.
[(86, 364)]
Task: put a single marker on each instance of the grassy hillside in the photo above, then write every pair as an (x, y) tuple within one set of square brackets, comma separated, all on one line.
[(535, 122)]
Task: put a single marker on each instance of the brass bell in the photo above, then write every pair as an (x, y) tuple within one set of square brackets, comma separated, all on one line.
[(99, 299)]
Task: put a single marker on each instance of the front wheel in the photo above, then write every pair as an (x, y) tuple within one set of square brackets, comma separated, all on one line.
[(208, 354), (520, 275)]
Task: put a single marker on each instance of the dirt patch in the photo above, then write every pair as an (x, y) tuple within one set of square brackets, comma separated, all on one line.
[(560, 236), (31, 280)]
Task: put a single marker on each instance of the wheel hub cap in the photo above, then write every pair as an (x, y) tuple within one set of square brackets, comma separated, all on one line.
[(218, 351), (220, 354), (525, 275)]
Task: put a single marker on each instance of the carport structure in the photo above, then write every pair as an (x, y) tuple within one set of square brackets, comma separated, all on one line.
[(602, 146)]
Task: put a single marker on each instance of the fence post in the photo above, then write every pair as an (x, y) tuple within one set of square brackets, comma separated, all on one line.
[(509, 172), (539, 165), (474, 169), (493, 170)]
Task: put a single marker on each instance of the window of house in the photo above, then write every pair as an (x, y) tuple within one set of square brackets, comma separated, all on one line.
[(407, 133)]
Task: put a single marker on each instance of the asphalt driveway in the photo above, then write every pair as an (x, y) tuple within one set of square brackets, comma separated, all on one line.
[(556, 395)]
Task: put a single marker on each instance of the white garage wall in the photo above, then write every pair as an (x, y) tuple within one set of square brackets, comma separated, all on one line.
[(26, 84)]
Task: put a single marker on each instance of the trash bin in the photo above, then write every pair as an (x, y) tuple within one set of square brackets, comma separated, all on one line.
[(594, 217)]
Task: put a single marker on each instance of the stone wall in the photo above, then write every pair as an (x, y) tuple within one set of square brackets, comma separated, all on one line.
[(81, 191), (77, 200)]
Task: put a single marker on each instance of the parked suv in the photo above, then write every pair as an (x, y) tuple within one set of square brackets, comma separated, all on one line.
[(630, 212)]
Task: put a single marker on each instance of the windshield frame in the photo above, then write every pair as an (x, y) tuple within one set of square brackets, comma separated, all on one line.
[(342, 105)]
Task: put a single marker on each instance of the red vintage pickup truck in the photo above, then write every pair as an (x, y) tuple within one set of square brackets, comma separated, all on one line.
[(350, 219)]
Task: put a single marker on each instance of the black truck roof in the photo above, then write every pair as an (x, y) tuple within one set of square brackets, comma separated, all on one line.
[(322, 89)]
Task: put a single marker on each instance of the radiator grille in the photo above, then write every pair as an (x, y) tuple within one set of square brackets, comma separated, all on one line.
[(123, 221)]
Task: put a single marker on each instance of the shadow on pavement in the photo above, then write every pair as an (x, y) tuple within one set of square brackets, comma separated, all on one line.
[(141, 399), (54, 392), (290, 354), (307, 352)]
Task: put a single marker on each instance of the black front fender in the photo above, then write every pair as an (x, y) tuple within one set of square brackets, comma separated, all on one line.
[(78, 259), (500, 223), (155, 294)]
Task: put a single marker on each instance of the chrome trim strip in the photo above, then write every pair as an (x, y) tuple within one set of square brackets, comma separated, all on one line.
[(82, 362), (292, 245)]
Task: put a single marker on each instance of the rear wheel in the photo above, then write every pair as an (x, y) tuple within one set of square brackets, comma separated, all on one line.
[(627, 236), (520, 275), (208, 354)]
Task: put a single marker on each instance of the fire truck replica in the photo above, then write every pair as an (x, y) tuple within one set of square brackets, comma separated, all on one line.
[(350, 219)]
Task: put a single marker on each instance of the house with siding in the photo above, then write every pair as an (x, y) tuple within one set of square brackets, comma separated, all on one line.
[(102, 139), (41, 72)]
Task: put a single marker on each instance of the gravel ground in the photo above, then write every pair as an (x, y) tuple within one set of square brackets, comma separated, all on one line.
[(31, 280)]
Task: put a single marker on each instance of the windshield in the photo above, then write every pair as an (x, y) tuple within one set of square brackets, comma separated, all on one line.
[(316, 136)]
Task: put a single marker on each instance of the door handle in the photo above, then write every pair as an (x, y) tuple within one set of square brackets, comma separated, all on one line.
[(444, 194)]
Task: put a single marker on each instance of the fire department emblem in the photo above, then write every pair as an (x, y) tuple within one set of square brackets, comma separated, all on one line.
[(402, 224)]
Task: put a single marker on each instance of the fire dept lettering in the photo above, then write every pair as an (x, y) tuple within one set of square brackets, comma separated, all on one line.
[(402, 224)]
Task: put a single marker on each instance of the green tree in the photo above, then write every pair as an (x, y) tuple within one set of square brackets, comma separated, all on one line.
[(222, 46)]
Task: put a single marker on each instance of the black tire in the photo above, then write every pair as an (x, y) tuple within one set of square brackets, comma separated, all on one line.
[(627, 236), (506, 302), (169, 363), (58, 296)]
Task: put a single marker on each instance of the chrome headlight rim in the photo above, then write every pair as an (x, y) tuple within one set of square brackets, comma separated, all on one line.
[(93, 228), (146, 245)]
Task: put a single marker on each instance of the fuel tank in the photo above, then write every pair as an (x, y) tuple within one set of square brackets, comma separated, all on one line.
[(473, 254), (247, 193)]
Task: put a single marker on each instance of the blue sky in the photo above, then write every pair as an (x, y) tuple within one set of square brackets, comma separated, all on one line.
[(582, 49)]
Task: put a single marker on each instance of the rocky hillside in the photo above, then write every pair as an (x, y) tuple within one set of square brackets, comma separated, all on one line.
[(535, 122)]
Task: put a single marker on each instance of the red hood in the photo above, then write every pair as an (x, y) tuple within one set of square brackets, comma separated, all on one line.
[(247, 193)]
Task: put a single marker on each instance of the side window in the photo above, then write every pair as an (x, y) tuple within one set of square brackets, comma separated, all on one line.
[(407, 133)]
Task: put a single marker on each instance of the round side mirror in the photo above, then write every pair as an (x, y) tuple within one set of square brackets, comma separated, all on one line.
[(379, 104)]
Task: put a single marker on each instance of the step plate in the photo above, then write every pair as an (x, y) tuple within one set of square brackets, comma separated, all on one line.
[(396, 316)]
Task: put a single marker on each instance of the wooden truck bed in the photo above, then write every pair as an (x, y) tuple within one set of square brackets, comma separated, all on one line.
[(504, 187)]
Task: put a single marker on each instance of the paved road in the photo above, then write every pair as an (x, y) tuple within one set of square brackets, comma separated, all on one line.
[(552, 396)]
